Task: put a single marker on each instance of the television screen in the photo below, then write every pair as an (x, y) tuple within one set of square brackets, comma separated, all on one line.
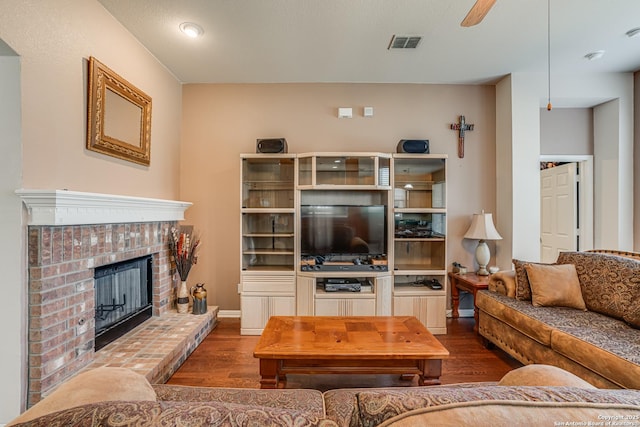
[(342, 230)]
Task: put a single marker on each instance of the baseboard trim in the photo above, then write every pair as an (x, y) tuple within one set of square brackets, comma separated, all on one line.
[(235, 314), (464, 312), (230, 314)]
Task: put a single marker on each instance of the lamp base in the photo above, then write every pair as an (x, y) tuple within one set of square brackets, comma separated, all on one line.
[(482, 271), (482, 258)]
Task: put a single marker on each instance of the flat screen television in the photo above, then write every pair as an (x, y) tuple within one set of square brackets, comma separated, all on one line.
[(327, 230)]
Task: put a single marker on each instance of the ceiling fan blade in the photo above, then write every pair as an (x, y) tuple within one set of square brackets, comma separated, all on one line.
[(477, 13)]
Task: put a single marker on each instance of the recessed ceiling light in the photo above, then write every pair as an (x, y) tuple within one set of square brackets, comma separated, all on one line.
[(633, 32), (594, 55), (191, 30)]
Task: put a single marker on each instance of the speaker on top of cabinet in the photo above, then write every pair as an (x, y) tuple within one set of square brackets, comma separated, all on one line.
[(413, 146), (271, 145)]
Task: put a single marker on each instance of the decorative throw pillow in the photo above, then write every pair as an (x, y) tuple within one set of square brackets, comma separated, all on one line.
[(523, 287), (632, 316), (610, 283), (555, 285), (95, 385), (542, 375)]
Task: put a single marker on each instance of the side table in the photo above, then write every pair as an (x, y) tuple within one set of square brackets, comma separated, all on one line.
[(469, 282)]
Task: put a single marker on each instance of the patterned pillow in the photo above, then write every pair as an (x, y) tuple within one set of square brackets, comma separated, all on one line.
[(523, 287), (376, 406), (94, 385), (610, 284), (632, 316)]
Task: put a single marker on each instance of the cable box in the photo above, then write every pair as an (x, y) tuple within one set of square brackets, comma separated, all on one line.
[(341, 281), (348, 286)]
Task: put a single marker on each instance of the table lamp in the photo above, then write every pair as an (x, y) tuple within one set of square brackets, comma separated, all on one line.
[(482, 228)]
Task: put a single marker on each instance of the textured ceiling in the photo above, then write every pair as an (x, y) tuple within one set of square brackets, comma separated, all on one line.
[(258, 41)]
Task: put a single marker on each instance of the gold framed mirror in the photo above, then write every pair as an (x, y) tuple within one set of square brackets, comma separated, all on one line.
[(119, 119)]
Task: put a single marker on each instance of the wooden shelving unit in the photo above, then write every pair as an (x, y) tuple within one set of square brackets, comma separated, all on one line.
[(275, 280)]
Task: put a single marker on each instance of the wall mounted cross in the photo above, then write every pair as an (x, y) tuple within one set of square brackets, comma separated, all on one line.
[(461, 127)]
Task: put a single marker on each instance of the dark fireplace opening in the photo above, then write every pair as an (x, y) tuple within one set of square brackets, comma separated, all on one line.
[(123, 298)]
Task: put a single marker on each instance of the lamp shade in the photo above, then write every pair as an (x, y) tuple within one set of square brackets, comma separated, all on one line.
[(482, 228)]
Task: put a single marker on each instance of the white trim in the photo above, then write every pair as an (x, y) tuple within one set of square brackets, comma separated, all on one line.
[(570, 158), (230, 314), (62, 207)]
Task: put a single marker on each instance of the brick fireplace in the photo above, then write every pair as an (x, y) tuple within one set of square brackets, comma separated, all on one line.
[(69, 235)]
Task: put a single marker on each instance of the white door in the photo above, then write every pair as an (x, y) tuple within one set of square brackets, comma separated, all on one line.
[(559, 211)]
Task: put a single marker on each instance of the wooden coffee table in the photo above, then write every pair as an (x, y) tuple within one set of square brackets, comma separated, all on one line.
[(348, 345)]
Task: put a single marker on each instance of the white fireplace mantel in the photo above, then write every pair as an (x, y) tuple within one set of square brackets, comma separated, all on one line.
[(63, 207)]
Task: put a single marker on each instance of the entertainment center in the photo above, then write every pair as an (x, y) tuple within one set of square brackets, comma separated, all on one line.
[(343, 234)]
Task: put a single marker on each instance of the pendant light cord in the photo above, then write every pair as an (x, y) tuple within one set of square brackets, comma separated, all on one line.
[(549, 53)]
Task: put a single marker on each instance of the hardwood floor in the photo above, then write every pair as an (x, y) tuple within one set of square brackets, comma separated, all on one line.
[(225, 359)]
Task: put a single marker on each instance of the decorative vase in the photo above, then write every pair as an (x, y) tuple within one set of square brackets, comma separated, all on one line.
[(199, 294), (182, 303)]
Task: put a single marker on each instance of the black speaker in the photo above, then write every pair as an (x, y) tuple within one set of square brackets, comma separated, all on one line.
[(413, 146), (271, 145)]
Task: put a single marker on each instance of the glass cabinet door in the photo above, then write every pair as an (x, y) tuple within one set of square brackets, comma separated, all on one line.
[(419, 238), (268, 213), (268, 182), (365, 169), (305, 168), (419, 183), (267, 241), (345, 171)]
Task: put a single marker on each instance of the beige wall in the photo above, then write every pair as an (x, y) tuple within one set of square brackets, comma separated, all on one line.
[(222, 121), (566, 131), (53, 40)]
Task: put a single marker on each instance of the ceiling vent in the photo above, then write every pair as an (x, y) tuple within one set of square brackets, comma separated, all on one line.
[(404, 42)]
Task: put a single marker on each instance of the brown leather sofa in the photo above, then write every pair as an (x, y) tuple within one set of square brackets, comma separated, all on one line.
[(600, 344), (532, 395)]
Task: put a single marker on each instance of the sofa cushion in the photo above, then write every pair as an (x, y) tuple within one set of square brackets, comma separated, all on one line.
[(171, 414), (611, 352), (610, 284), (104, 414), (377, 406), (542, 375), (517, 314), (539, 322), (310, 401), (341, 404), (555, 285), (497, 413), (95, 385)]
